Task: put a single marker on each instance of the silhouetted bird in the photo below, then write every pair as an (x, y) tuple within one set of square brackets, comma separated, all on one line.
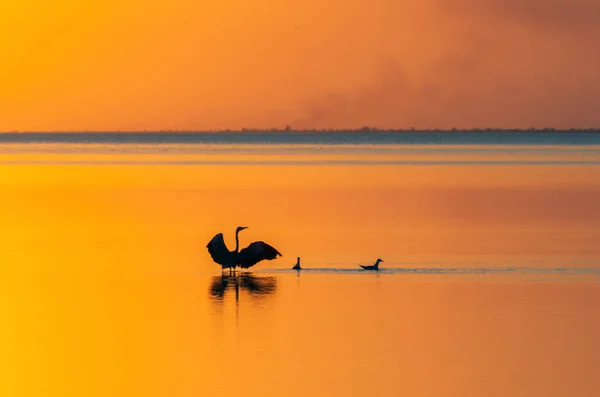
[(297, 265), (249, 256), (373, 267)]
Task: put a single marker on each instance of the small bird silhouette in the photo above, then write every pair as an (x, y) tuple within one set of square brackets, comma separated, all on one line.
[(297, 265), (373, 267)]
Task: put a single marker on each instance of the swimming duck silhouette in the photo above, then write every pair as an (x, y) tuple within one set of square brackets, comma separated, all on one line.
[(373, 267), (297, 265)]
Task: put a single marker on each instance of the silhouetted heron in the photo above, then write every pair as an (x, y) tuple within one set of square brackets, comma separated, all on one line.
[(249, 256), (297, 265), (373, 267)]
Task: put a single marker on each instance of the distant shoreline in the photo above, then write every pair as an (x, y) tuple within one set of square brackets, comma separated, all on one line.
[(363, 130), (310, 137)]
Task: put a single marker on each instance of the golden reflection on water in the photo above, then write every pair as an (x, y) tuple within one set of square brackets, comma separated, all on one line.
[(107, 289)]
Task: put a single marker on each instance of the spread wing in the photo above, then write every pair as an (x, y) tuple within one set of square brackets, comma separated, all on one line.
[(256, 252), (219, 252)]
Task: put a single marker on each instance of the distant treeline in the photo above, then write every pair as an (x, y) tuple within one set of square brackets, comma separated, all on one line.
[(411, 130), (330, 130)]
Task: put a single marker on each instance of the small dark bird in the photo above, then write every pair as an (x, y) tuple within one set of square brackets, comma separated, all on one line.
[(248, 257), (297, 265), (373, 267)]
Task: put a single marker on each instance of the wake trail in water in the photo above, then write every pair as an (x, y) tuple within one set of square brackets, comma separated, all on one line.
[(448, 271)]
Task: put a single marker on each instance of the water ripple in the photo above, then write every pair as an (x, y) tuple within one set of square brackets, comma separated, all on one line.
[(454, 270)]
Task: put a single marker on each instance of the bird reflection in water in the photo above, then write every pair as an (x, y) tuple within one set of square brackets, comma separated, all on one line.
[(246, 282)]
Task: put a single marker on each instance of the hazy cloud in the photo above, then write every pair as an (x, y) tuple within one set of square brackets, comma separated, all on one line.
[(492, 63), (566, 15)]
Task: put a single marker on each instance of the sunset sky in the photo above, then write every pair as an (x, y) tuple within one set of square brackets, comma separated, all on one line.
[(215, 64)]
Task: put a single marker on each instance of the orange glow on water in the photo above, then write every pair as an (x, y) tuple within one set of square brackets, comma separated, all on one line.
[(107, 288)]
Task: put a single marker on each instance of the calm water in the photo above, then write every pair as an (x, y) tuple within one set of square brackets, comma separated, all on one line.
[(490, 285)]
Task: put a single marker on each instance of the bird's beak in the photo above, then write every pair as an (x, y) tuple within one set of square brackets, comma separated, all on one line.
[(243, 227)]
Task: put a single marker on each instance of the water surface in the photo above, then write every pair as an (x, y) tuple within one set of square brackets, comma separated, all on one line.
[(489, 285)]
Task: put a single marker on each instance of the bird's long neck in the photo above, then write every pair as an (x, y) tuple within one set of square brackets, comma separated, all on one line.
[(377, 264), (237, 241)]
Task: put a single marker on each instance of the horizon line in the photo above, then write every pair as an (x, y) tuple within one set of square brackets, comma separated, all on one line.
[(308, 130)]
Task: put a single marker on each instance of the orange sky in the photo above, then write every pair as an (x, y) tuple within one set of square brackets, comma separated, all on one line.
[(189, 64)]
